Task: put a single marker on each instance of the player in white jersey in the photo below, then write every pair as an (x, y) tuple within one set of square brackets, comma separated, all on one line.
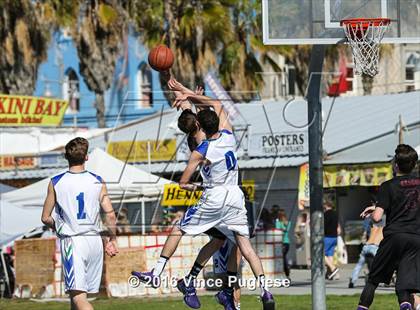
[(77, 196), (222, 203)]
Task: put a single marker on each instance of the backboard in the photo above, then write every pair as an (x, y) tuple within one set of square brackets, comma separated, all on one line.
[(318, 21)]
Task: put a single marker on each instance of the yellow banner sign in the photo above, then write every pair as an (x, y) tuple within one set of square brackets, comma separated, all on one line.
[(12, 162), (31, 111), (137, 151), (173, 195), (357, 175), (341, 176), (303, 198), (248, 187)]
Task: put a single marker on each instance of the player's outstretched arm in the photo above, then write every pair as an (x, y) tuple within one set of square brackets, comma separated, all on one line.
[(49, 204), (110, 221), (201, 100), (195, 160)]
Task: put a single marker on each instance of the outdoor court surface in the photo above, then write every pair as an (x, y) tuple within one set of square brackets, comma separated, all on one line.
[(382, 302), (297, 298)]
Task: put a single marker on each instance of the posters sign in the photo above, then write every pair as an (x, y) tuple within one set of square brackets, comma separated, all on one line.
[(278, 144)]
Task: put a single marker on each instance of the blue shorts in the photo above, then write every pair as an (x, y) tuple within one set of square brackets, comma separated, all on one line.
[(329, 245)]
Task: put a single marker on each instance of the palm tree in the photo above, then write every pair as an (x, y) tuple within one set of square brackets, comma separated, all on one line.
[(24, 38), (194, 30), (98, 35)]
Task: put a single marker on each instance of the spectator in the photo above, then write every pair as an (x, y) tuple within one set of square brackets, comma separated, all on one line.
[(123, 224), (369, 249), (331, 230), (265, 221), (283, 224)]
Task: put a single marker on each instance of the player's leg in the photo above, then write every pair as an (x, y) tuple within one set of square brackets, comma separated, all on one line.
[(254, 261), (368, 293), (405, 299), (79, 300), (237, 288), (408, 281), (76, 254), (229, 296), (171, 244), (186, 285), (235, 219), (383, 266)]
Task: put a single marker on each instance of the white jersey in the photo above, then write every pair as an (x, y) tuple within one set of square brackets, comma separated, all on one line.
[(77, 203), (223, 167)]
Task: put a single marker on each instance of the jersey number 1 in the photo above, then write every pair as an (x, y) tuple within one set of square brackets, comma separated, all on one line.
[(81, 200)]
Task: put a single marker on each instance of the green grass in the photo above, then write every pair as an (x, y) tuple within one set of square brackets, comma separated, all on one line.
[(382, 302)]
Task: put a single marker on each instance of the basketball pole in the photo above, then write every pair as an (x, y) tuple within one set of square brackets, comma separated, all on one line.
[(316, 177)]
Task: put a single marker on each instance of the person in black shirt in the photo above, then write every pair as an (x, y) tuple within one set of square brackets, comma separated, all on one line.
[(331, 231), (399, 199)]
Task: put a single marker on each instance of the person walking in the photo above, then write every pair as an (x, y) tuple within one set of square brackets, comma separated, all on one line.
[(369, 249), (331, 231)]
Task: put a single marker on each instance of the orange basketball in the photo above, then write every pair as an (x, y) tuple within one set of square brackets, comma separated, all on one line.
[(161, 58)]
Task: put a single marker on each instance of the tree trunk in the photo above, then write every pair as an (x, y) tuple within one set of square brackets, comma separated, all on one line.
[(367, 82), (100, 110)]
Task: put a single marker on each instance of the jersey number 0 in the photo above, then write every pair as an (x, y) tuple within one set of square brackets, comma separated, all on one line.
[(230, 160)]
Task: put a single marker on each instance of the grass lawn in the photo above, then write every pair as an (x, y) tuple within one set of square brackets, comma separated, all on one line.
[(382, 302)]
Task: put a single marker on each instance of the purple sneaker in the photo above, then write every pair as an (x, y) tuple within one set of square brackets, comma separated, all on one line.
[(268, 301), (225, 298), (190, 294), (147, 278)]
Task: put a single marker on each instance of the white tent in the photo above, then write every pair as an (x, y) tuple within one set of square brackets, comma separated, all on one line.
[(123, 181), (16, 221)]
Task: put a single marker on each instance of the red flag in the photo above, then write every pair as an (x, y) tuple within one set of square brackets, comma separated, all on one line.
[(340, 86)]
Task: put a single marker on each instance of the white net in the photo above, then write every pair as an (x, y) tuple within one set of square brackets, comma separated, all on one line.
[(364, 36)]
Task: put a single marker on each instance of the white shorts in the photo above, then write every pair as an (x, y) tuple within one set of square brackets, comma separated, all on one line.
[(219, 207), (82, 259)]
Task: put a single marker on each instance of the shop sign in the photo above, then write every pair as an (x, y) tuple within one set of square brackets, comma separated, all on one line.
[(278, 144), (138, 151), (18, 110), (173, 195)]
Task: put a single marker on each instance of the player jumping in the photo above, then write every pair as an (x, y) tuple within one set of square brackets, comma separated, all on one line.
[(222, 202), (77, 196)]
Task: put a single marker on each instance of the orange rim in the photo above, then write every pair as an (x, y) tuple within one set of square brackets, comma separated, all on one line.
[(365, 22)]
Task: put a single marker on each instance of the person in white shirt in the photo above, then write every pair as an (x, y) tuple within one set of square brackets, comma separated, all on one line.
[(77, 197)]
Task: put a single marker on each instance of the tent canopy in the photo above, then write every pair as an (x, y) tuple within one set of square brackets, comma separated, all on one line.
[(123, 182), (15, 221)]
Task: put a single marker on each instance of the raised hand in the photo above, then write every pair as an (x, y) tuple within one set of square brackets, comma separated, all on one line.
[(181, 102), (174, 85), (199, 90)]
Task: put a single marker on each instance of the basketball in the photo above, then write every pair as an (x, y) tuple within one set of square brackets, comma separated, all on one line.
[(161, 58)]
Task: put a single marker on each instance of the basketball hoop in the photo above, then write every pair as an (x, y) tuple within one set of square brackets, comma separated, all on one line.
[(364, 36)]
